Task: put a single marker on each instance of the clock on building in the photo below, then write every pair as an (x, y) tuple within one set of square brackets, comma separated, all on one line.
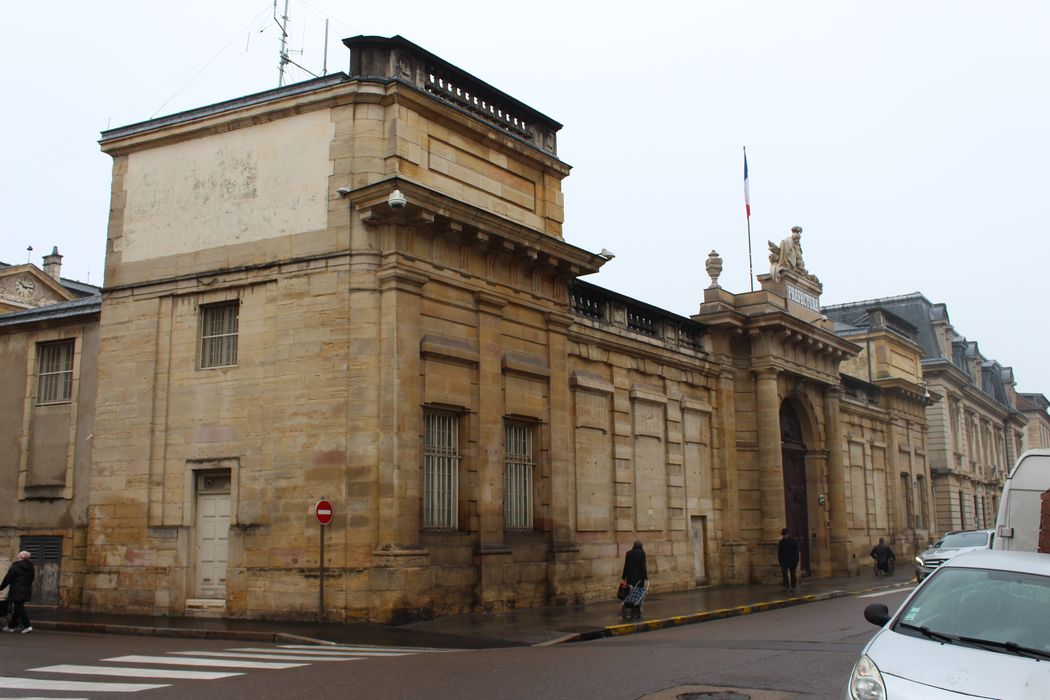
[(24, 287)]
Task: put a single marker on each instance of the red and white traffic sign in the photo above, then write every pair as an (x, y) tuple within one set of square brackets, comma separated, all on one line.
[(324, 511)]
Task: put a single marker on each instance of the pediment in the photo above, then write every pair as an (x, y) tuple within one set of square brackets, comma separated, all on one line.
[(28, 287)]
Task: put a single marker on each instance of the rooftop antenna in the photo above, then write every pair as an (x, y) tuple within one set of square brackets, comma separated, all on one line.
[(324, 69), (282, 24), (29, 253)]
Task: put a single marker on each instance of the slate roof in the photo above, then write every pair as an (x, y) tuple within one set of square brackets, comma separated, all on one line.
[(922, 315), (63, 309)]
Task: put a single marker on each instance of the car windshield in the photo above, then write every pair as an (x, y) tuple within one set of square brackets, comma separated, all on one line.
[(964, 539), (981, 604)]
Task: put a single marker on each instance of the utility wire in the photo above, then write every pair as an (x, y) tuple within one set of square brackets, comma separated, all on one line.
[(205, 64), (94, 129)]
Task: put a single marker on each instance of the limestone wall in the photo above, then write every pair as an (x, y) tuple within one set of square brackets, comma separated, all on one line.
[(45, 455)]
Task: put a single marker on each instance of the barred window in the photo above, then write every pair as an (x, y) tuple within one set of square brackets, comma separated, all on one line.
[(517, 481), (440, 470), (54, 372), (219, 335)]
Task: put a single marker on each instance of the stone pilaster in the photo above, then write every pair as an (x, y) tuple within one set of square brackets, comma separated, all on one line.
[(770, 459), (563, 583), (401, 576), (840, 554), (728, 458), (492, 556), (399, 396), (735, 558)]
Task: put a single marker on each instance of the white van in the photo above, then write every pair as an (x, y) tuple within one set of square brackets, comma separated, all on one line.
[(1022, 512)]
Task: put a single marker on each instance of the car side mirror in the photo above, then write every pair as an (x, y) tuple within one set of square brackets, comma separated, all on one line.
[(877, 614)]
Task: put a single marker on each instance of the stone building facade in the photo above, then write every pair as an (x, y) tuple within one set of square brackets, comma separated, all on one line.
[(1035, 408), (48, 367), (976, 430), (356, 288)]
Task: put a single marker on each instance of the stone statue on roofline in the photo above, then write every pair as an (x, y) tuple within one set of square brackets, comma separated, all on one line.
[(788, 257)]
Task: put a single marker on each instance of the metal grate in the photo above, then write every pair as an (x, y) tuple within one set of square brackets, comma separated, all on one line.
[(219, 335), (55, 372), (46, 554), (517, 483), (440, 470)]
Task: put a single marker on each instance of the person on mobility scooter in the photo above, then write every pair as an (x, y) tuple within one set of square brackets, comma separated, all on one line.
[(884, 558)]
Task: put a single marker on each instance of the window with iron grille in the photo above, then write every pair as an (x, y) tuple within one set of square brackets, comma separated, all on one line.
[(54, 372), (219, 335), (440, 470), (517, 480)]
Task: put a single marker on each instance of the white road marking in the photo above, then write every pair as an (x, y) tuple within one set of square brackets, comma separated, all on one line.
[(320, 654), (239, 654), (187, 661), (301, 648), (132, 672), (77, 686), (882, 593)]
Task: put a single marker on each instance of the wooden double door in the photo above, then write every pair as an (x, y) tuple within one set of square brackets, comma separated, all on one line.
[(796, 508)]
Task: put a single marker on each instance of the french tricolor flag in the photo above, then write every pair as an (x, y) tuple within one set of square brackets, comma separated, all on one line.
[(747, 189)]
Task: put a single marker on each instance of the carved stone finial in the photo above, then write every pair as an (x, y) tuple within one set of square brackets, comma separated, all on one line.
[(714, 268)]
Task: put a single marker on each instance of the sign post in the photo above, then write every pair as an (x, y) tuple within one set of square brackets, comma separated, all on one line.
[(323, 511)]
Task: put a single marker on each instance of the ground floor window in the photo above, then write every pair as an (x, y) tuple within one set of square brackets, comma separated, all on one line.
[(517, 481), (440, 470)]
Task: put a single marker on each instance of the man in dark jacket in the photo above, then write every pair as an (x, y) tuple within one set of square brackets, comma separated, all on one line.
[(20, 579), (788, 555)]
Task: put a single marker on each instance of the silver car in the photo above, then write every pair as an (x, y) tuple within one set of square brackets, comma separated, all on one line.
[(978, 627), (950, 545)]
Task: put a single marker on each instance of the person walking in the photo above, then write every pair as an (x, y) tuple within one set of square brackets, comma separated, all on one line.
[(634, 569), (788, 556), (636, 575), (19, 584)]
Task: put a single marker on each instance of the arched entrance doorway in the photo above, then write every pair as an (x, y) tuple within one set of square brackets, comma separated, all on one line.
[(796, 511)]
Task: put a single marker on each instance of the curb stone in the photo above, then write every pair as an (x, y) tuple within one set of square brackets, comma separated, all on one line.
[(707, 615)]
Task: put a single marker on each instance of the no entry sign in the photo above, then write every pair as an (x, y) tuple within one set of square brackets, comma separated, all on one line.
[(323, 510)]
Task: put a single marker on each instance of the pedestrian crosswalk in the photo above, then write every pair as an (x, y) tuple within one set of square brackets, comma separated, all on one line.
[(141, 672)]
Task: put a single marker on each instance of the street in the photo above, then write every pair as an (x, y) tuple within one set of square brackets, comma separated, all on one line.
[(802, 651)]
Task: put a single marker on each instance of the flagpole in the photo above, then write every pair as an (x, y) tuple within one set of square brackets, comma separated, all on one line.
[(747, 205)]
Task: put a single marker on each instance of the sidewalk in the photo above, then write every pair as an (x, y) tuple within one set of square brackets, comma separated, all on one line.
[(532, 626)]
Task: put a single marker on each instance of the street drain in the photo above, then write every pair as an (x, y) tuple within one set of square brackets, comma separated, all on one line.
[(716, 695)]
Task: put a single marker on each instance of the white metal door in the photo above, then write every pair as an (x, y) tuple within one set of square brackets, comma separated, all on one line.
[(696, 527), (213, 529)]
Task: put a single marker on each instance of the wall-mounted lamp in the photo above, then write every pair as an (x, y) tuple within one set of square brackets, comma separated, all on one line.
[(343, 191)]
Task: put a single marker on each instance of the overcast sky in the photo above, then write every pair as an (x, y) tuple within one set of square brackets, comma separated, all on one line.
[(908, 139)]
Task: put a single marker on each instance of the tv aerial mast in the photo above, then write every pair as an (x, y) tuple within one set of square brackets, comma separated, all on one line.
[(282, 24)]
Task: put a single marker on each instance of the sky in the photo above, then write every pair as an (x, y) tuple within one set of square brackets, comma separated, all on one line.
[(909, 139)]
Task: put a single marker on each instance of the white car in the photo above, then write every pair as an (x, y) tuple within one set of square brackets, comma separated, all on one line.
[(978, 627)]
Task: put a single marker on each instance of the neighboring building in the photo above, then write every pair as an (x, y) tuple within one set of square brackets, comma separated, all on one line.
[(356, 288), (976, 430), (26, 286), (48, 361), (1037, 432), (887, 376)]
